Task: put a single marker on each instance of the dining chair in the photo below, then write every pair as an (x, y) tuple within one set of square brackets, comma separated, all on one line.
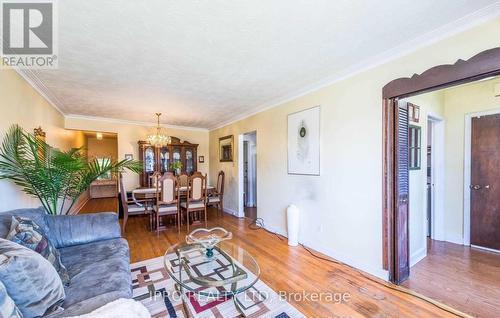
[(216, 198), (183, 180), (153, 179), (196, 197), (167, 200), (129, 206)]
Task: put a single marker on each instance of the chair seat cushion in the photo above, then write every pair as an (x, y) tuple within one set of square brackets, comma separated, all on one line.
[(166, 208), (135, 208), (213, 199), (193, 205), (99, 271)]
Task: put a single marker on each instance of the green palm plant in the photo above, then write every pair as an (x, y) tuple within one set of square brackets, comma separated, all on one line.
[(55, 177)]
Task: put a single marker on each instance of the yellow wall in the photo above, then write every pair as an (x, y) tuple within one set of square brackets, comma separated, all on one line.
[(129, 134), (79, 140), (104, 148), (341, 210), (21, 104)]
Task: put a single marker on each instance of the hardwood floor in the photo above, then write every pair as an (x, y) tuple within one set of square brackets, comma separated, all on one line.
[(465, 278), (100, 205), (293, 270)]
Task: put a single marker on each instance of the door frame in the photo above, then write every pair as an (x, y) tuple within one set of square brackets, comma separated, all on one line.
[(437, 176), (480, 66), (241, 173), (467, 168)]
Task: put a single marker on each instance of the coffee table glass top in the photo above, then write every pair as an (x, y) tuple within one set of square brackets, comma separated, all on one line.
[(231, 269)]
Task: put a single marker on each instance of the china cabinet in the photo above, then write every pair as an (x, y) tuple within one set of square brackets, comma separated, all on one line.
[(160, 158)]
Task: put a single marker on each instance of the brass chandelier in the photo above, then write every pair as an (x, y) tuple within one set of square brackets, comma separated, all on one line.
[(158, 137)]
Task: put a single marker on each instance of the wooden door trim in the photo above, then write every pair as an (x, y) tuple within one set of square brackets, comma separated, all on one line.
[(479, 66), (482, 65)]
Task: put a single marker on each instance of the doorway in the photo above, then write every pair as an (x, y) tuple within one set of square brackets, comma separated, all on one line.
[(429, 183), (247, 175), (435, 178), (396, 153), (250, 175)]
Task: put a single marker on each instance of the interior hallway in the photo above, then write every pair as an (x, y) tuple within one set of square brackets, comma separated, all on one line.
[(464, 278)]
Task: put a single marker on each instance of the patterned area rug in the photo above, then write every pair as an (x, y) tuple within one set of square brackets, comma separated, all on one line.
[(156, 290)]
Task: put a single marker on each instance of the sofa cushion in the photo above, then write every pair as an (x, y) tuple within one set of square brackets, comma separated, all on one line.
[(31, 281), (8, 308), (37, 215), (69, 230), (99, 271), (26, 232)]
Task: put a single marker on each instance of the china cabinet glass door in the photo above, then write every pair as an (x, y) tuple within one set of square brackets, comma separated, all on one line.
[(149, 160), (176, 155), (164, 159), (189, 161)]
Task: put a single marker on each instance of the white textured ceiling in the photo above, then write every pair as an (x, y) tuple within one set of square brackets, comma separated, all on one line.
[(204, 63)]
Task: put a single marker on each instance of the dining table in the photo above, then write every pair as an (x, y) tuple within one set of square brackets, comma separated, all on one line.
[(140, 195)]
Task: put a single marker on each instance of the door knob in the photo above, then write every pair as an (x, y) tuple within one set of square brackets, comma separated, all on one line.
[(478, 187)]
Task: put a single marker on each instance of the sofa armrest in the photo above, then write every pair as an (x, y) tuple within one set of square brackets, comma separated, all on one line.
[(68, 230)]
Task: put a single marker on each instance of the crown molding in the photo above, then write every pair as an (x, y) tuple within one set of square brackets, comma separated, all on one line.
[(132, 122), (462, 24)]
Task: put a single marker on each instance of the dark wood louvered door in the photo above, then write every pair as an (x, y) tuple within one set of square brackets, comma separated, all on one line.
[(485, 182), (401, 182)]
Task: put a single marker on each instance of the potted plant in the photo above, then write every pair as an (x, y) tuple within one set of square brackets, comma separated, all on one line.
[(176, 166), (57, 178)]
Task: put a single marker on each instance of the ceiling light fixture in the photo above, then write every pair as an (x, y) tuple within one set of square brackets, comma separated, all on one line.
[(158, 137)]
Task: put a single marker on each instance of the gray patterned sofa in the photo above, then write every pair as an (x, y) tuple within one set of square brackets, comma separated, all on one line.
[(93, 251)]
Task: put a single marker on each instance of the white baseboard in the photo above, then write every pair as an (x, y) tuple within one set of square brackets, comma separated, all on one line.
[(417, 256), (380, 273), (232, 212), (486, 249), (276, 230), (456, 240)]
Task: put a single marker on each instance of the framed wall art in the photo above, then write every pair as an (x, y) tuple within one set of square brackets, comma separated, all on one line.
[(304, 142), (226, 148)]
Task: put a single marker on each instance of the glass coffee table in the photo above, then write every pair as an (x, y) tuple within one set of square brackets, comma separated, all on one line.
[(228, 272)]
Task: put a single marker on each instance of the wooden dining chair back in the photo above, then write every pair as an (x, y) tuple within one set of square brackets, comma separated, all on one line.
[(153, 179), (128, 206), (166, 189), (220, 183), (216, 198), (167, 200), (196, 197), (183, 180)]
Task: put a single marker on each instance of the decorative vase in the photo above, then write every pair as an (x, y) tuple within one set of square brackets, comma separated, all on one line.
[(178, 171), (208, 238)]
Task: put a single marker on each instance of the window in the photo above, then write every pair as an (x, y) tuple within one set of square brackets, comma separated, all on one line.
[(415, 145), (104, 162)]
